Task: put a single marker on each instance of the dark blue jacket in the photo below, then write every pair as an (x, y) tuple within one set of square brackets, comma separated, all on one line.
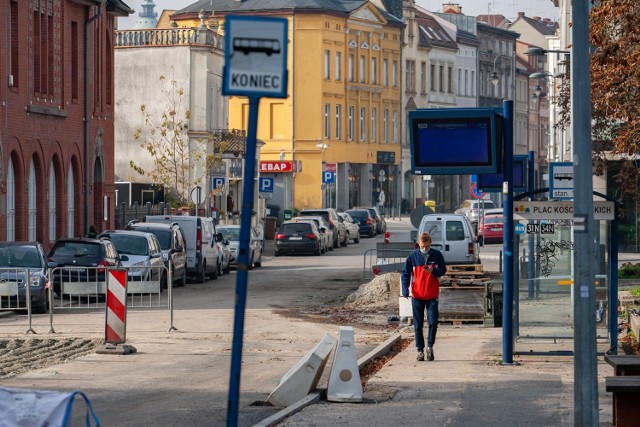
[(415, 259)]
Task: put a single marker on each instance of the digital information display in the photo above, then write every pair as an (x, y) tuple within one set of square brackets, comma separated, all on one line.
[(492, 182)]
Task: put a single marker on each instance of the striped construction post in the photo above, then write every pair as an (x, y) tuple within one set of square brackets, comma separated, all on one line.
[(115, 324)]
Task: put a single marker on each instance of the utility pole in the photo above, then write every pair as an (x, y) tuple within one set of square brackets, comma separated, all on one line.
[(585, 362)]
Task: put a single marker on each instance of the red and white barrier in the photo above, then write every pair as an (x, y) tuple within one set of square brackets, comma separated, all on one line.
[(116, 319)]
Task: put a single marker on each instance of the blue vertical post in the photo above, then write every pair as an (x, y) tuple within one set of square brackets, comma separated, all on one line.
[(531, 172), (242, 275), (613, 284), (507, 196)]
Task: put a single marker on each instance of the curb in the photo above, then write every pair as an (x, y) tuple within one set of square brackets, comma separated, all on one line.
[(320, 394)]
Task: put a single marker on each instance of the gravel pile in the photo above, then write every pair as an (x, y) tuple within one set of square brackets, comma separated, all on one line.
[(383, 290)]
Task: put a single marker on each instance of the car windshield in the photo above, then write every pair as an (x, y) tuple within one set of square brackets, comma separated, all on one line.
[(495, 220), (230, 234), (359, 214), (130, 245), (75, 250), (295, 228), (20, 256)]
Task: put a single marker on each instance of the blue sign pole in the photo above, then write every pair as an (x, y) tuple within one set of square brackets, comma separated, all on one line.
[(507, 196), (531, 264), (242, 275)]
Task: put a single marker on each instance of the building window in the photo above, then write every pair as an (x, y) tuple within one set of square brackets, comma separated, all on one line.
[(411, 76), (351, 130), (52, 202), (338, 66), (374, 124), (433, 78), (363, 69), (460, 86), (351, 65), (466, 83), (71, 213), (374, 71), (363, 123), (327, 65), (385, 72), (395, 126), (473, 83), (14, 71), (441, 78), (450, 78), (338, 121), (423, 77), (385, 126), (75, 80), (33, 203), (11, 203), (327, 121), (394, 73)]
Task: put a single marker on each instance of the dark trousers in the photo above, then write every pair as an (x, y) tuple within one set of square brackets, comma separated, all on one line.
[(418, 306)]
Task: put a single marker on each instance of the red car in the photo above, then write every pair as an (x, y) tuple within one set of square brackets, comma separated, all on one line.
[(490, 229)]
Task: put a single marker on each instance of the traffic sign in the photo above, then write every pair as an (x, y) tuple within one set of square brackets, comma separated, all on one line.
[(266, 185), (196, 195), (328, 177), (477, 194), (217, 182), (520, 228), (561, 180), (560, 210), (541, 228), (255, 57)]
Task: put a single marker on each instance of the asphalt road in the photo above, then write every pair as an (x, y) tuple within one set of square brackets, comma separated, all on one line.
[(182, 377)]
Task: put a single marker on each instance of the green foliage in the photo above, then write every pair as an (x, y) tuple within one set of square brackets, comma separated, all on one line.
[(635, 292), (630, 271)]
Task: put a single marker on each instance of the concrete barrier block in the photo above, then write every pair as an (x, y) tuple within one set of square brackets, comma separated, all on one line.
[(635, 326), (304, 376), (405, 307), (344, 381)]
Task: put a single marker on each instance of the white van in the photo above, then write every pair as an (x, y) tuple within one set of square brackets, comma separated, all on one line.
[(200, 237), (452, 235)]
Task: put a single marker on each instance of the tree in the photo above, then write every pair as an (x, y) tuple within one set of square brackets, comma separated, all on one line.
[(615, 90), (175, 156)]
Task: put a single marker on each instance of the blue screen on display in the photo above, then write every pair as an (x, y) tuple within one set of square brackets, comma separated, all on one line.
[(492, 182)]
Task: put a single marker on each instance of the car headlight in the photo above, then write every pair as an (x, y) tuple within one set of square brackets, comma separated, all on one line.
[(35, 281), (165, 257)]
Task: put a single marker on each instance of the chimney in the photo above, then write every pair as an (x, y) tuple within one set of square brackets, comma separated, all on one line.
[(520, 14), (451, 8), (536, 18), (546, 20)]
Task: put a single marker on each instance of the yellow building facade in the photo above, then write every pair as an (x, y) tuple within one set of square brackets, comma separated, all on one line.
[(342, 114)]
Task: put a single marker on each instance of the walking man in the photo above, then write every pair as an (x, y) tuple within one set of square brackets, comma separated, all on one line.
[(421, 269)]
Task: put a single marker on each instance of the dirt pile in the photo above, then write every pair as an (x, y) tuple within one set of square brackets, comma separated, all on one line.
[(382, 291)]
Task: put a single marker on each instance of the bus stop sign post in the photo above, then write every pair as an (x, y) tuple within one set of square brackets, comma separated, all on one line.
[(255, 66)]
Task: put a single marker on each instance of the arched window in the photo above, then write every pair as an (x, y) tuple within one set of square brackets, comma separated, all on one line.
[(52, 202), (70, 203), (32, 212), (11, 203)]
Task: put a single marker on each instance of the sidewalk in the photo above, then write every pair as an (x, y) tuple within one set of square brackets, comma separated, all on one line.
[(466, 385)]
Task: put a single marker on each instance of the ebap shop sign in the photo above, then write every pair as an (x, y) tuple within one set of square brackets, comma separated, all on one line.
[(255, 57)]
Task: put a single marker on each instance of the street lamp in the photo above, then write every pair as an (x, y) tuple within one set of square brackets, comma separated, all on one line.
[(495, 77)]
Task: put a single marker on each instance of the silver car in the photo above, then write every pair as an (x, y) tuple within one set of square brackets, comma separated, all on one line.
[(472, 209), (231, 233), (352, 227)]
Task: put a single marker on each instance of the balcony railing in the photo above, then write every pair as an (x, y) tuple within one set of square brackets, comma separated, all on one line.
[(168, 37)]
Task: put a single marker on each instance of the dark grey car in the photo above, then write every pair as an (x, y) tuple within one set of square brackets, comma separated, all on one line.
[(16, 259)]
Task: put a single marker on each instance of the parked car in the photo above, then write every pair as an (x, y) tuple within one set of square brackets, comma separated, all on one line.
[(352, 228), (323, 227), (453, 235), (173, 245), (366, 223), (472, 209), (16, 258), (295, 237), (72, 254), (335, 222), (231, 233), (381, 224), (225, 254), (200, 237), (490, 229), (140, 252)]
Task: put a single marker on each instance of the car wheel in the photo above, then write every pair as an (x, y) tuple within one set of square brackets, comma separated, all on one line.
[(317, 251), (214, 273), (201, 276), (163, 282), (227, 269), (357, 238), (259, 262), (276, 253), (220, 271), (345, 242), (42, 307), (183, 280)]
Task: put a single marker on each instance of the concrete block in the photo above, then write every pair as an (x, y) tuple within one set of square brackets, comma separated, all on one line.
[(304, 376), (344, 381), (634, 320), (405, 307)]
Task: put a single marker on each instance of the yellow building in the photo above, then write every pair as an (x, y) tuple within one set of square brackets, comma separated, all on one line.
[(342, 114)]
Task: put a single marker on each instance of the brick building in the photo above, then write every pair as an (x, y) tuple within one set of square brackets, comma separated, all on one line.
[(56, 168)]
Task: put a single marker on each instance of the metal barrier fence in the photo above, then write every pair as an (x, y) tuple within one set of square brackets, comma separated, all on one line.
[(386, 258), (14, 292)]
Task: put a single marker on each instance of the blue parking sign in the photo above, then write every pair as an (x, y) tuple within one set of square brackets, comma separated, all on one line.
[(266, 185), (217, 182), (328, 177)]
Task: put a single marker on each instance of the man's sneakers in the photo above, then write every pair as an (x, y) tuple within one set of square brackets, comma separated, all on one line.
[(420, 356), (429, 354)]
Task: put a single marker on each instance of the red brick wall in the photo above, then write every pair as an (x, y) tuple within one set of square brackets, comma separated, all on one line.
[(26, 132)]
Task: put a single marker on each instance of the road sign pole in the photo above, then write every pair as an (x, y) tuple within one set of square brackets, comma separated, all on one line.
[(507, 195), (242, 275), (584, 321), (531, 265)]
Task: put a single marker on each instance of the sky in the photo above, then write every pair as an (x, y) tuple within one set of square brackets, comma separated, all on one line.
[(508, 8)]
